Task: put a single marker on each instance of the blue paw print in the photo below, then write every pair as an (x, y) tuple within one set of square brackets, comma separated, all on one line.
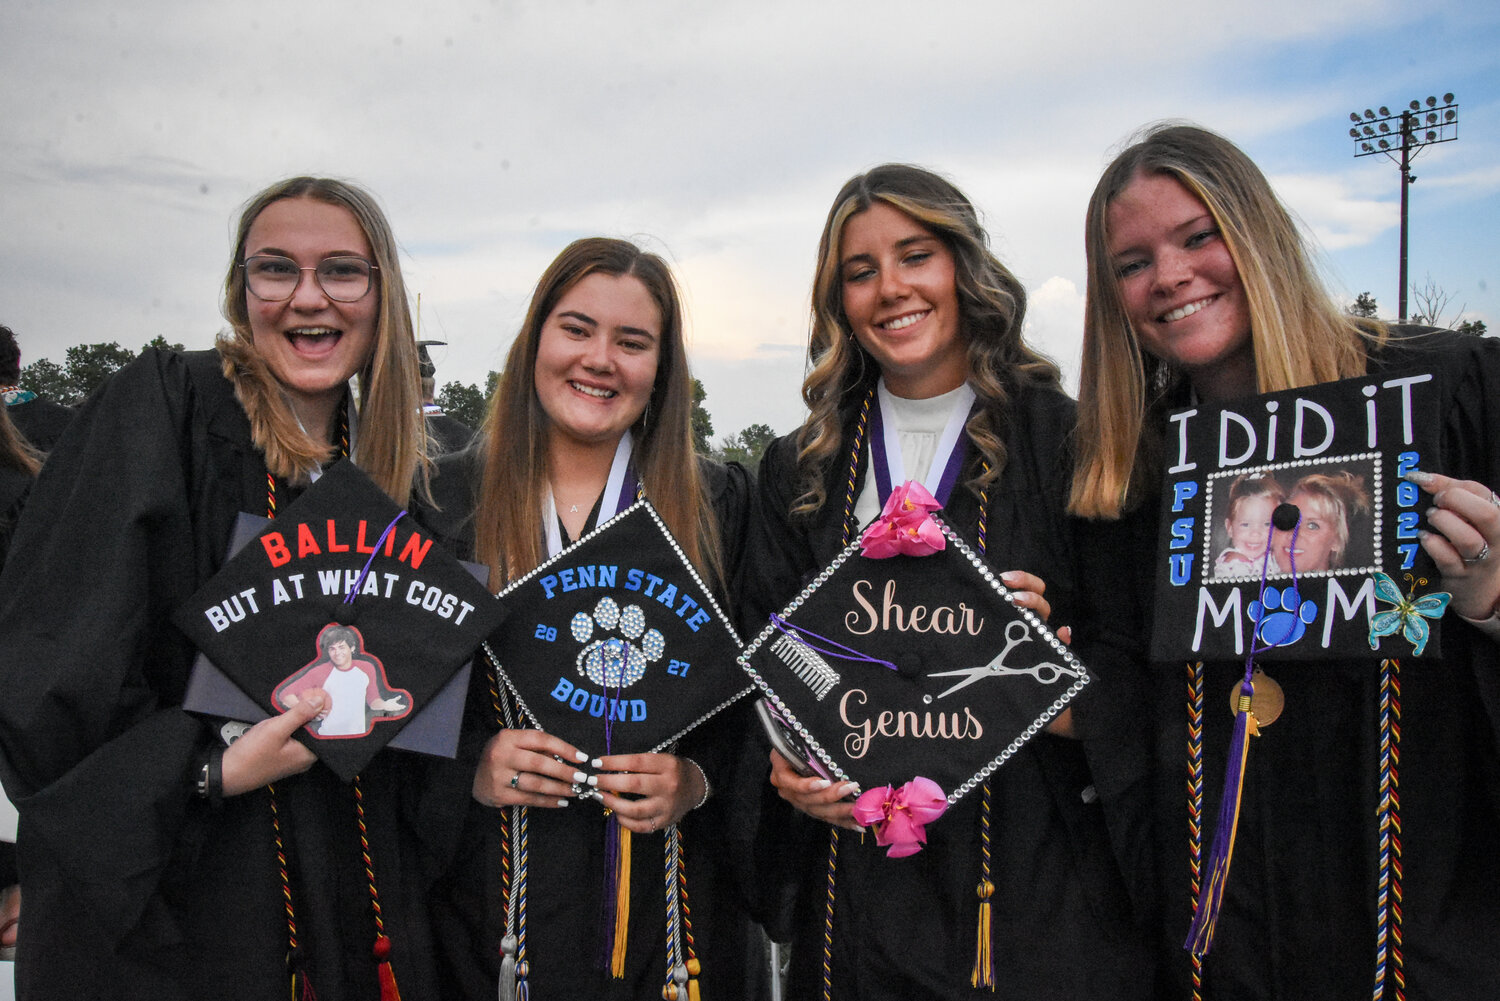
[(1286, 619)]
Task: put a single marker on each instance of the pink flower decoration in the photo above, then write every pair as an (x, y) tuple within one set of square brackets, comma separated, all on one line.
[(900, 816), (905, 526)]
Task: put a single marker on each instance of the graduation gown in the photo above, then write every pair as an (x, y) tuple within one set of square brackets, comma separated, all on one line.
[(1299, 911), (906, 928), (134, 886), (565, 910)]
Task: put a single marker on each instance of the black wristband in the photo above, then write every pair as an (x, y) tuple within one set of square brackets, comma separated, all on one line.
[(211, 776)]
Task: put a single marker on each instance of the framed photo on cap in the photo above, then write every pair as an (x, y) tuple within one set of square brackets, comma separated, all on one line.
[(1287, 526)]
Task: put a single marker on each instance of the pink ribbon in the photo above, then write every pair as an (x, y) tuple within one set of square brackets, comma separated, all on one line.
[(899, 816), (905, 526)]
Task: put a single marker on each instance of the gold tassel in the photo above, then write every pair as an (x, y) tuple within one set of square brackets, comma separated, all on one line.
[(694, 968), (984, 967), (622, 905)]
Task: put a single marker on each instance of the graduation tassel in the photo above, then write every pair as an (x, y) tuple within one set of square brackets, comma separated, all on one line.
[(1201, 933), (617, 895), (984, 961), (388, 989)]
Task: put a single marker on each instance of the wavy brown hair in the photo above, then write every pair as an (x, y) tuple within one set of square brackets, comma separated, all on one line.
[(391, 445), (992, 308), (513, 440), (1299, 335)]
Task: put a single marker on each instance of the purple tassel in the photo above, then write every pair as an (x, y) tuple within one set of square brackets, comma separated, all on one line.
[(1201, 934)]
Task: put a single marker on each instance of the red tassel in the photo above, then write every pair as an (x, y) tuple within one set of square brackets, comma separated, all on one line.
[(388, 989)]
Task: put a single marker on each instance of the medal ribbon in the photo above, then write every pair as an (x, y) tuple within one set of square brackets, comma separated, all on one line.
[(885, 447)]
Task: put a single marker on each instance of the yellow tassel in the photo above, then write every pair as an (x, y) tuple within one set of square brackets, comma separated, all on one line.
[(984, 966), (694, 968), (622, 905)]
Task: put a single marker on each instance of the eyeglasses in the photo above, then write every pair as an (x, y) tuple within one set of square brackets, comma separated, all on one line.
[(274, 279)]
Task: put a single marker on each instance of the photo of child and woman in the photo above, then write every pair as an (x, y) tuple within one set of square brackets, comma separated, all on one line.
[(1336, 531)]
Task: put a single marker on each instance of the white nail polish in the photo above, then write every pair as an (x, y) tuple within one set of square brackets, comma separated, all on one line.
[(581, 777), (593, 780), (820, 785), (562, 802), (848, 788), (598, 763), (580, 756)]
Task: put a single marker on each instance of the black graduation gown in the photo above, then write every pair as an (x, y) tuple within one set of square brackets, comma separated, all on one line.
[(564, 904), (906, 928), (135, 887), (1299, 912), (41, 421)]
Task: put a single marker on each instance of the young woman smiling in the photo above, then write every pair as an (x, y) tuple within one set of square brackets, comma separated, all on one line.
[(913, 315), (596, 390), (157, 862), (1200, 287)]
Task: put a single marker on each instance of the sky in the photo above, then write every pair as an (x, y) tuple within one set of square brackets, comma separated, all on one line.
[(495, 132)]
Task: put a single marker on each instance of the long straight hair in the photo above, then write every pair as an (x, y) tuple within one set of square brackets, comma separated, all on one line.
[(15, 451), (992, 308), (515, 478), (392, 441), (1299, 335)]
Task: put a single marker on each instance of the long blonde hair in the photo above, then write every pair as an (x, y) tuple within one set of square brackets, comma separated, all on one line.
[(392, 440), (15, 451), (992, 306), (514, 478), (1299, 335)]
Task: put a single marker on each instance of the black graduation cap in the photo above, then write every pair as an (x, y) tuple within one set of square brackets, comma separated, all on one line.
[(426, 368), (889, 669), (616, 645), (278, 619)]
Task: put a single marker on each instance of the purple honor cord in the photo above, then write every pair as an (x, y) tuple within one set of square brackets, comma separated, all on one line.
[(360, 580), (881, 464), (833, 648)]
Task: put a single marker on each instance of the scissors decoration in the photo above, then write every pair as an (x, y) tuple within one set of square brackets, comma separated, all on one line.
[(1016, 633)]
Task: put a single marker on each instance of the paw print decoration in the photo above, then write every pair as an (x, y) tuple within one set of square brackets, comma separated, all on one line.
[(1283, 618), (617, 661)]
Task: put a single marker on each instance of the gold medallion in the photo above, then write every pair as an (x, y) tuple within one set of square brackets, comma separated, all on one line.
[(1267, 701)]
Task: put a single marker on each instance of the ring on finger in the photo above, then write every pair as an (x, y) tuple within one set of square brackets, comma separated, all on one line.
[(1479, 557), (1495, 500), (515, 781)]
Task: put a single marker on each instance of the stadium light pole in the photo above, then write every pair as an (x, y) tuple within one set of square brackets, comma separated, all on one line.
[(1421, 124)]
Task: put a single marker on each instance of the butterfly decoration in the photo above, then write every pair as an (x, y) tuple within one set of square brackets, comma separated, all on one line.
[(1407, 613)]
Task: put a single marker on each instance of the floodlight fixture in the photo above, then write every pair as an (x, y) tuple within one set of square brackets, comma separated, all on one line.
[(1418, 129)]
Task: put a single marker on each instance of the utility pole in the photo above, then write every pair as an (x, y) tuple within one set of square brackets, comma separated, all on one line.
[(1417, 128)]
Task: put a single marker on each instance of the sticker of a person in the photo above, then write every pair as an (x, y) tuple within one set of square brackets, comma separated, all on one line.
[(353, 684)]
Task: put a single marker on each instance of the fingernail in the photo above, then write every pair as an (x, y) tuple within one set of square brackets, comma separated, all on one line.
[(1430, 512), (1010, 576), (848, 788), (562, 802), (580, 756), (1418, 477), (593, 780), (820, 785), (581, 777), (598, 763)]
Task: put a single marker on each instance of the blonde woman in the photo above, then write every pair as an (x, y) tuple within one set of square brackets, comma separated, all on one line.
[(913, 314), (157, 862), (1200, 287)]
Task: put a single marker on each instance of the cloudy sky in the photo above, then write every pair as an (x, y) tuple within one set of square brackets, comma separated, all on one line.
[(494, 132)]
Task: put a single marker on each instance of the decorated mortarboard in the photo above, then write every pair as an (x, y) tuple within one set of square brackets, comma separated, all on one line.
[(907, 659), (1340, 573), (345, 597), (1290, 532), (615, 644)]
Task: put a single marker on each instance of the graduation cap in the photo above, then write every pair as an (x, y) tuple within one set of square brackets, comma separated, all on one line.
[(344, 595), (616, 644), (426, 368), (885, 669)]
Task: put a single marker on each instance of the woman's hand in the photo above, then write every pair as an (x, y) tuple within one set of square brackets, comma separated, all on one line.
[(269, 750), (1464, 541), (1028, 590), (521, 768), (815, 796), (662, 789)]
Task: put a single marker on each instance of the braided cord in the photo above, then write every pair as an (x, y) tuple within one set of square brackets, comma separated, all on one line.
[(1388, 958), (1195, 802)]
